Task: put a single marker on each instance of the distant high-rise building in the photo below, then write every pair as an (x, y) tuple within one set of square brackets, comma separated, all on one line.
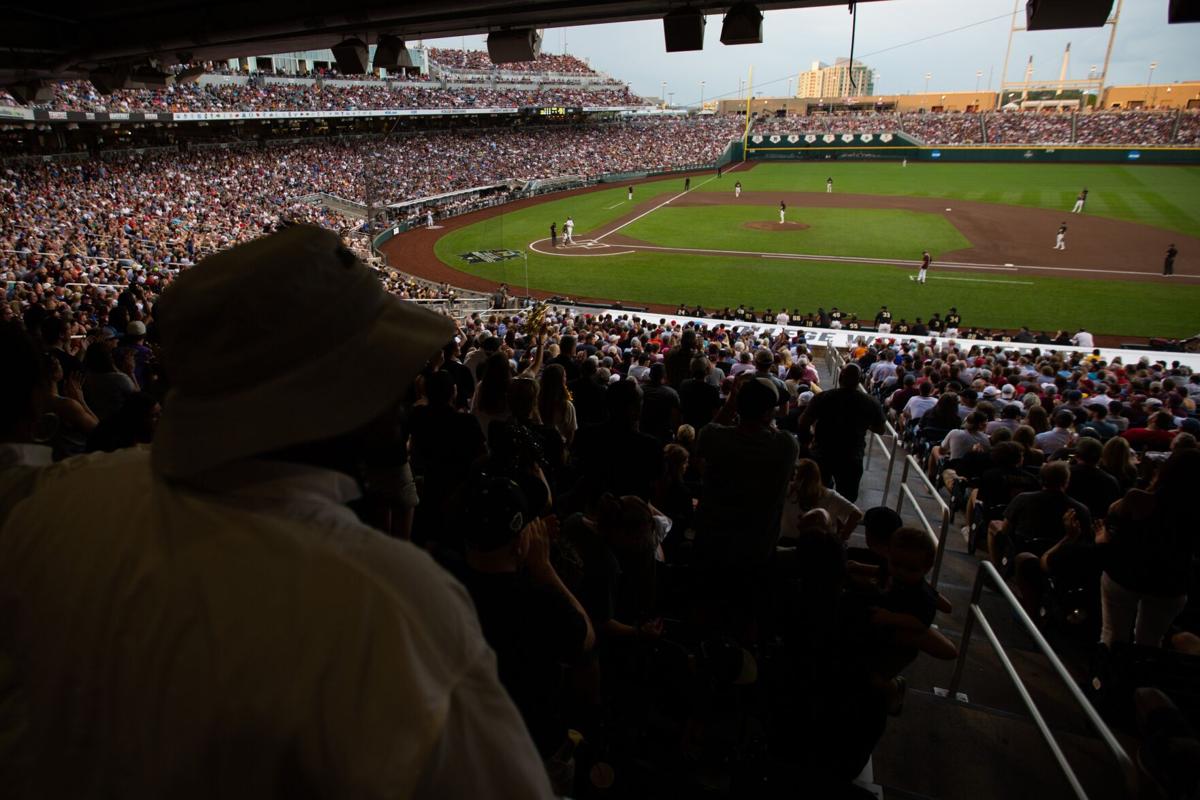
[(837, 80)]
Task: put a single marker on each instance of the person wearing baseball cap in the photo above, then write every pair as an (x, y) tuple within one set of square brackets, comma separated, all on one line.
[(223, 624), (528, 615)]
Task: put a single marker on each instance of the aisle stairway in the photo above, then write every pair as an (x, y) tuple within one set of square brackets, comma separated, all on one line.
[(986, 746)]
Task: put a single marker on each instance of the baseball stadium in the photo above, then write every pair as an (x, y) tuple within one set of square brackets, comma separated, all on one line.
[(417, 401)]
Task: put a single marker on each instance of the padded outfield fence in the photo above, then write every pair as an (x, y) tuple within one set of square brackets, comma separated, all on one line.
[(896, 146)]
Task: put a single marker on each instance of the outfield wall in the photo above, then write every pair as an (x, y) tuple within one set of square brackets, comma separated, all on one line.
[(892, 147)]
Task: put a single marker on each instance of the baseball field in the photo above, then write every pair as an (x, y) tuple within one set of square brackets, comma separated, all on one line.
[(990, 229)]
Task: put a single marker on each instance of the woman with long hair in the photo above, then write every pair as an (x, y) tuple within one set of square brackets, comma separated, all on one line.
[(1149, 542), (75, 419), (944, 415), (554, 403), (1038, 419), (490, 403), (1027, 438), (806, 493), (1117, 460)]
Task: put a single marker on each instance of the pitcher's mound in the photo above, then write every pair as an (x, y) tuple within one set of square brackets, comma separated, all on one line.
[(774, 226)]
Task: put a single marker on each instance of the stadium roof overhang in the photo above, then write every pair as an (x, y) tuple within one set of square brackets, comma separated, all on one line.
[(73, 39)]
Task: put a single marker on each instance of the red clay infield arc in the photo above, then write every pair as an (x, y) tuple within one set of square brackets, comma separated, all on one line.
[(1013, 240)]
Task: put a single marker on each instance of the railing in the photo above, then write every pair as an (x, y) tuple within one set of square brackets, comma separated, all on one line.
[(834, 363), (892, 454), (941, 536), (987, 574)]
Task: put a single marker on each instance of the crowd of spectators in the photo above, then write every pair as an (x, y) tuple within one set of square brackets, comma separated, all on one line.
[(651, 518), (1071, 469), (886, 322), (932, 128), (1125, 127), (632, 513), (322, 96), (1007, 127), (478, 61), (81, 232), (1189, 128), (943, 128), (1026, 127)]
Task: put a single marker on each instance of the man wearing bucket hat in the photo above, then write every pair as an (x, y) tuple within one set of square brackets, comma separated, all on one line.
[(223, 624)]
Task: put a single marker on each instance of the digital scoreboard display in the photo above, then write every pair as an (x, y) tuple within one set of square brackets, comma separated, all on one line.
[(552, 111)]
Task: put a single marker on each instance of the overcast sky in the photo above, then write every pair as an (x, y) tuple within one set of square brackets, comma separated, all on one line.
[(792, 40)]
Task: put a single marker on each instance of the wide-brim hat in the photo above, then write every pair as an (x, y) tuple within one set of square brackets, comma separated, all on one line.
[(283, 340)]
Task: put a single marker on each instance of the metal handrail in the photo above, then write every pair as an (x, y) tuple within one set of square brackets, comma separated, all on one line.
[(988, 573), (941, 536)]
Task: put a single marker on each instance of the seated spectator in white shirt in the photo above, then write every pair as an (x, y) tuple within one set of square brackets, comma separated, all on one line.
[(916, 406), (1058, 437)]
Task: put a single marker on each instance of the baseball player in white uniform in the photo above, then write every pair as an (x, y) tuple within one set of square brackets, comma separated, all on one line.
[(925, 261), (1060, 239), (737, 189), (569, 231), (782, 211)]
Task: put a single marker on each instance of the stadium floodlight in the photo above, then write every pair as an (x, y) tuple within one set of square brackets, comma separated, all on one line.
[(350, 56), (523, 44), (743, 25), (683, 29), (391, 53)]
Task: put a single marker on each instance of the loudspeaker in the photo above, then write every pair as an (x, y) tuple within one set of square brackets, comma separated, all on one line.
[(743, 25), (351, 57), (1053, 15), (524, 44), (391, 54), (684, 30), (1183, 11)]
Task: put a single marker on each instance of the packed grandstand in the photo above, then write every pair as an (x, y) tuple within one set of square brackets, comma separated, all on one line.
[(640, 627)]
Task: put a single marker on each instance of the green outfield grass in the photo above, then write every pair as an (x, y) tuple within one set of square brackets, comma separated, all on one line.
[(1121, 307), (869, 233), (1163, 196)]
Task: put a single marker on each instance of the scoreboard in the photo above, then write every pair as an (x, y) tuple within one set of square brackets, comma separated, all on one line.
[(551, 111)]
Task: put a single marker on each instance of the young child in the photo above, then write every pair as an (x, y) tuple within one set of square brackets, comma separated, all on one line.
[(903, 611), (871, 561)]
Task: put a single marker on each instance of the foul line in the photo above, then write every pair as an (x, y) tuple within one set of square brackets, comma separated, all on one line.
[(983, 280), (663, 203), (610, 208)]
